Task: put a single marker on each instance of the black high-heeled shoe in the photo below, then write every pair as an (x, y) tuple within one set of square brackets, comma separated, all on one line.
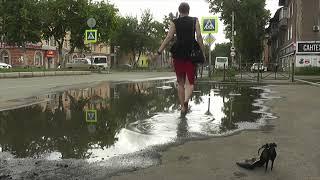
[(186, 106), (183, 114)]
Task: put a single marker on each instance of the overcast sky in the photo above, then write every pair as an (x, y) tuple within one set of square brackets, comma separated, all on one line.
[(160, 8)]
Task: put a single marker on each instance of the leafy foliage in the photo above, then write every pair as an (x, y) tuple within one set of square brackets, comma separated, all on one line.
[(221, 50), (26, 21), (137, 38), (250, 20), (20, 24)]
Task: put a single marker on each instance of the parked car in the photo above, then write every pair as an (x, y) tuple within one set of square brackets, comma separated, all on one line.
[(221, 62), (125, 66), (82, 63), (5, 66), (101, 62), (258, 67)]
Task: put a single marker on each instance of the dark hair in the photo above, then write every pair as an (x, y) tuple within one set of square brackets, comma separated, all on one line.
[(184, 8)]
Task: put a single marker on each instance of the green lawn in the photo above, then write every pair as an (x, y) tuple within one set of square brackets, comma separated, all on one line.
[(308, 71)]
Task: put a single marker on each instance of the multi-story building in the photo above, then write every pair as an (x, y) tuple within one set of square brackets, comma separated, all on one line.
[(295, 33), (45, 54)]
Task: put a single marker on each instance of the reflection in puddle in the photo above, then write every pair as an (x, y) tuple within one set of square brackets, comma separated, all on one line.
[(129, 118)]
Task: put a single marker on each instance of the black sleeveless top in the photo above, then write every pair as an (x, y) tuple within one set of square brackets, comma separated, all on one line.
[(185, 31)]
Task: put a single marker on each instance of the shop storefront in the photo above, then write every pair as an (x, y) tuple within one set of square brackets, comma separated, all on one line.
[(287, 56), (308, 54), (50, 59)]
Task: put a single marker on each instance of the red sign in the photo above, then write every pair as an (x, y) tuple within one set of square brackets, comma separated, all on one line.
[(307, 61), (50, 54)]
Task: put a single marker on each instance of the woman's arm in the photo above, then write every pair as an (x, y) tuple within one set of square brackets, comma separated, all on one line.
[(199, 37), (172, 31)]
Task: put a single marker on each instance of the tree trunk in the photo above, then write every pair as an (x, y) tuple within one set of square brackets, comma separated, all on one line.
[(25, 58), (136, 61), (60, 59), (133, 58)]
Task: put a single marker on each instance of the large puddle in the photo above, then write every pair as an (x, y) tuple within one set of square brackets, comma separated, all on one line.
[(125, 119)]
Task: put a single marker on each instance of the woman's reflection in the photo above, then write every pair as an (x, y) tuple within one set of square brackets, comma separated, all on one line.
[(183, 128)]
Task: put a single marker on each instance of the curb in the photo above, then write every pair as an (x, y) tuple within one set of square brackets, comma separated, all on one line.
[(42, 74), (308, 82)]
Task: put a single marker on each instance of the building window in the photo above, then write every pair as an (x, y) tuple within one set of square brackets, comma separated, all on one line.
[(283, 13), (74, 56), (4, 57), (291, 34), (292, 9), (38, 59)]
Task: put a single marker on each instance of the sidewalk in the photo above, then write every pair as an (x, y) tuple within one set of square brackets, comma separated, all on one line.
[(42, 74), (296, 131), (15, 92)]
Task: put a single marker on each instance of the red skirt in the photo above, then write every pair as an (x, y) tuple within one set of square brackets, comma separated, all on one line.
[(183, 68)]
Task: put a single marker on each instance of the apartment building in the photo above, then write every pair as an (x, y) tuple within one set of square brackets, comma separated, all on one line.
[(294, 33)]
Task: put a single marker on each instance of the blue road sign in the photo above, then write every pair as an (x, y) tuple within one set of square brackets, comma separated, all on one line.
[(209, 25), (91, 115)]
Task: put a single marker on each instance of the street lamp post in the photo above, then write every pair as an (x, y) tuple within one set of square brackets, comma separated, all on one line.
[(233, 32), (232, 56)]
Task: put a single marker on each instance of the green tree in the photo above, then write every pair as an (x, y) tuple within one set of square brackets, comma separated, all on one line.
[(166, 23), (106, 18), (136, 38), (250, 20), (56, 18), (126, 36), (1, 21), (168, 19), (78, 24), (19, 23), (221, 50), (151, 33)]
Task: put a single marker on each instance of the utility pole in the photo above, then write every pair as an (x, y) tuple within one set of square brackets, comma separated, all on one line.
[(210, 61), (232, 56)]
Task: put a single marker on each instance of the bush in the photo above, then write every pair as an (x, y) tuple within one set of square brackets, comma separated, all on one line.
[(308, 71), (36, 69), (229, 72), (21, 69)]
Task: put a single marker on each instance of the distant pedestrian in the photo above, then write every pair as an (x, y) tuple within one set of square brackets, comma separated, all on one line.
[(184, 28), (59, 66)]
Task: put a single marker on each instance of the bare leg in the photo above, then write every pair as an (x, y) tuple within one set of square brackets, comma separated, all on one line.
[(188, 90), (181, 92)]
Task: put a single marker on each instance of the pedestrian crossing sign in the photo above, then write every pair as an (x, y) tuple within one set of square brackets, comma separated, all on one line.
[(91, 36), (91, 115), (209, 25)]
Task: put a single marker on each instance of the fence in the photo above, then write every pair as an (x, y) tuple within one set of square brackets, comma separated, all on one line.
[(256, 72)]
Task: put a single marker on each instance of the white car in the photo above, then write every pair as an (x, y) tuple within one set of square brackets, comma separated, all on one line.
[(258, 66), (5, 66), (79, 63), (101, 62)]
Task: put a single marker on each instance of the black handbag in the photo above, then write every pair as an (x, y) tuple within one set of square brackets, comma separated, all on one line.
[(196, 52)]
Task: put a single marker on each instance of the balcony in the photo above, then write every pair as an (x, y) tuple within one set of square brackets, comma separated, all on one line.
[(282, 2), (283, 18)]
